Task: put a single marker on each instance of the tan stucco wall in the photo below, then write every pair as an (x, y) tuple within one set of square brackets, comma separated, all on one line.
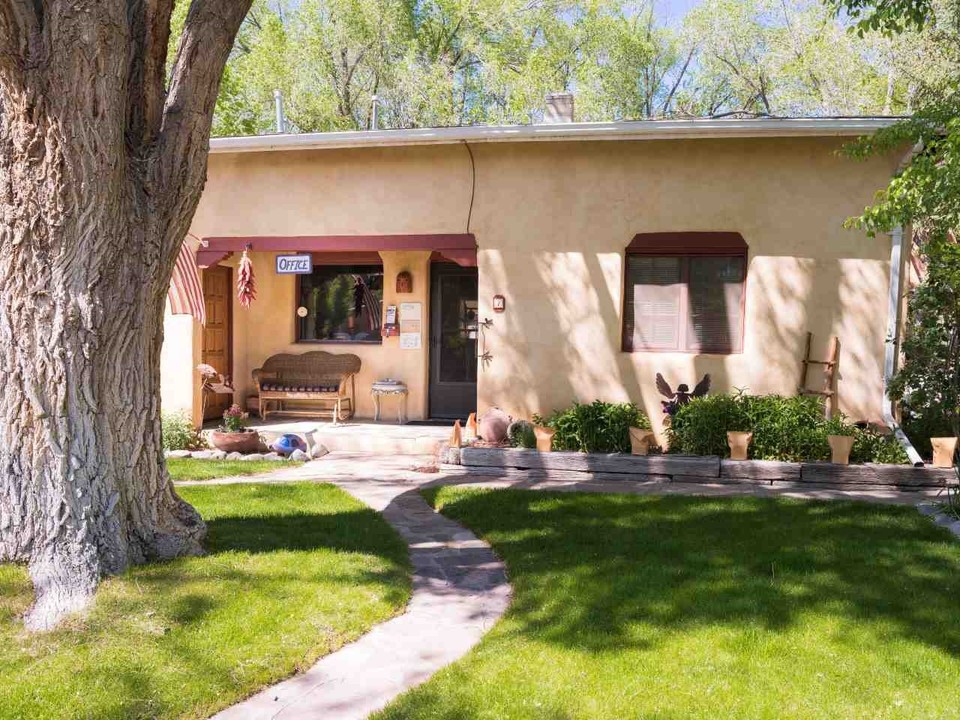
[(551, 221)]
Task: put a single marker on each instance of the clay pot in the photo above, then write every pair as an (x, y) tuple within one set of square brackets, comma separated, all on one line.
[(739, 442), (944, 450), (640, 441), (544, 438), (241, 442), (493, 426), (840, 447)]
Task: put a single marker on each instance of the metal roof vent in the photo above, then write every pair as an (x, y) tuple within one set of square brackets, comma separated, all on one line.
[(559, 108)]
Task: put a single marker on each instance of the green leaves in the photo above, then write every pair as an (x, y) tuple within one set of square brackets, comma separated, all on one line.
[(598, 427)]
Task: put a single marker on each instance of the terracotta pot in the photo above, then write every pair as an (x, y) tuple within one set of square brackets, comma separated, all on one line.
[(944, 449), (739, 442), (544, 438), (241, 442), (840, 447), (640, 441)]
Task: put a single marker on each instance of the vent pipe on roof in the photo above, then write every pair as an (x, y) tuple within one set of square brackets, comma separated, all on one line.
[(278, 108), (559, 108), (374, 113)]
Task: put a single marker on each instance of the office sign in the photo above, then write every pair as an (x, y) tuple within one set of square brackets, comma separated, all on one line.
[(294, 264)]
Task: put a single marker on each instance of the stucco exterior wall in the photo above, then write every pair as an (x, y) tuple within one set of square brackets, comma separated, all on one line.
[(552, 220)]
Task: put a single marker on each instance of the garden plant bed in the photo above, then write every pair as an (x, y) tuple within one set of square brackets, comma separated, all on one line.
[(700, 469)]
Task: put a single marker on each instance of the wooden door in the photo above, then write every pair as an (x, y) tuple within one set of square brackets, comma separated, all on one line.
[(218, 333)]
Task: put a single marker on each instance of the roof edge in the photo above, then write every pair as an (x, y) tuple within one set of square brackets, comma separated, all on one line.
[(705, 128)]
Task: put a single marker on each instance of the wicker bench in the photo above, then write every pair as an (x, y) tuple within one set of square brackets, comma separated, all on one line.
[(313, 378)]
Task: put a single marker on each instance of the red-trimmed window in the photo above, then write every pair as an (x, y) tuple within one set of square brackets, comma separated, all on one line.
[(684, 292)]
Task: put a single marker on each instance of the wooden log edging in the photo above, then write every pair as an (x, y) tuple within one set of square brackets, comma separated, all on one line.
[(696, 468)]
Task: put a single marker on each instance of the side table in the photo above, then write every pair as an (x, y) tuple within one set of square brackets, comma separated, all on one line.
[(379, 390)]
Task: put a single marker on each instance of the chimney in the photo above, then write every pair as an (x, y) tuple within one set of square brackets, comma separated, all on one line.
[(559, 108)]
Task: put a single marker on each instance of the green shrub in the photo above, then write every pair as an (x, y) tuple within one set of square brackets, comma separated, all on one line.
[(597, 427), (700, 427), (790, 429), (178, 432), (520, 434)]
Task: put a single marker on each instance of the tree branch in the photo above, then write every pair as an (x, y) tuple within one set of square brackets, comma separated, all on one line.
[(180, 155), (149, 22)]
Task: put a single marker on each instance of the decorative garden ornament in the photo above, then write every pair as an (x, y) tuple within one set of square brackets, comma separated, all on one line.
[(739, 443), (944, 450), (640, 440), (676, 400), (494, 425), (840, 447), (456, 437), (544, 438)]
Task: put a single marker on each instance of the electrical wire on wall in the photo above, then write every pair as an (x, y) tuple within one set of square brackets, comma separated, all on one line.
[(483, 356), (473, 182)]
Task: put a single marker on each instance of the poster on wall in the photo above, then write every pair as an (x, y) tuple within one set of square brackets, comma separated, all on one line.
[(411, 326)]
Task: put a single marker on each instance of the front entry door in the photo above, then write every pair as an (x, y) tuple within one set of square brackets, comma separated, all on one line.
[(453, 341), (216, 352)]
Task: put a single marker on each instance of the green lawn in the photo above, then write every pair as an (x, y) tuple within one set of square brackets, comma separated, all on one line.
[(192, 469), (682, 607), (294, 572)]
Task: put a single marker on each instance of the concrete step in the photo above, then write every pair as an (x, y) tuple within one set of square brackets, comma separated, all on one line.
[(362, 437)]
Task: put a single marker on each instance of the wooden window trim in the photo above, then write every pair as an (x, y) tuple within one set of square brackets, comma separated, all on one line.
[(685, 246)]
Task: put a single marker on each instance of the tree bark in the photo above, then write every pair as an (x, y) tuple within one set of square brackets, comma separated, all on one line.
[(101, 170)]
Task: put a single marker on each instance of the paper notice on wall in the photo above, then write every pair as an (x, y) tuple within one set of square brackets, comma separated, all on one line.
[(411, 326)]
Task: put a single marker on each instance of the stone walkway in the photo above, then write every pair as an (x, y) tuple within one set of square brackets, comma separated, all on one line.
[(459, 590)]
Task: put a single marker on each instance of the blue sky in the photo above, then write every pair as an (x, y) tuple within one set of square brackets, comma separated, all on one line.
[(674, 10)]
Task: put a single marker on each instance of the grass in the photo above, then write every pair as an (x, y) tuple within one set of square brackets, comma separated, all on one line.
[(293, 572), (682, 607), (195, 469)]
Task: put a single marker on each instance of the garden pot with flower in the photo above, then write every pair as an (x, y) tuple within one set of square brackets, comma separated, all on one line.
[(840, 436), (944, 450), (739, 442), (234, 435)]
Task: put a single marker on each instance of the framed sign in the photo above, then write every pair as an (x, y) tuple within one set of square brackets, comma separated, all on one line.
[(499, 303), (294, 264)]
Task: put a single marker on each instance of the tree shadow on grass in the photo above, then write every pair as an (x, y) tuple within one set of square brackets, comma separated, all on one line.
[(599, 573)]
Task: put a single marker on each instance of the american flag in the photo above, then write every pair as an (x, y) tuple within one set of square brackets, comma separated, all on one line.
[(186, 289)]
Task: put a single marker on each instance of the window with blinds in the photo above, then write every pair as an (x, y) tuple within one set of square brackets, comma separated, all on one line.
[(684, 303)]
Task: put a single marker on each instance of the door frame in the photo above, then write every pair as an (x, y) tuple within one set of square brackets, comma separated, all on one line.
[(437, 270), (228, 271)]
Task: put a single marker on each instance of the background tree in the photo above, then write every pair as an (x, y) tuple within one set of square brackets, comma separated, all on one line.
[(926, 195), (102, 164)]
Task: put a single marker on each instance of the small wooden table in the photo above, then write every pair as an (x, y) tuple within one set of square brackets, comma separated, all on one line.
[(399, 390)]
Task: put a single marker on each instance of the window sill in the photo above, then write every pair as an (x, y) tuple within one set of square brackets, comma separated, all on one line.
[(339, 342)]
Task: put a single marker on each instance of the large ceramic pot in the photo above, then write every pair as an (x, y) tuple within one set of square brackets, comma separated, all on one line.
[(242, 442), (544, 437), (640, 440), (739, 443), (840, 447), (944, 450)]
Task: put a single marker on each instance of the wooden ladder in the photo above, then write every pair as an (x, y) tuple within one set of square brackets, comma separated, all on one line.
[(829, 373)]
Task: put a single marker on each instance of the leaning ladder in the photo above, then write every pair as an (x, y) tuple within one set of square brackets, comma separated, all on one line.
[(829, 390)]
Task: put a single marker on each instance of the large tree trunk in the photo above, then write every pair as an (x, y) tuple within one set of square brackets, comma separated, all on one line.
[(101, 169)]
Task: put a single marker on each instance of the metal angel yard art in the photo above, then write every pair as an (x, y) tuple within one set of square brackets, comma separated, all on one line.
[(676, 400)]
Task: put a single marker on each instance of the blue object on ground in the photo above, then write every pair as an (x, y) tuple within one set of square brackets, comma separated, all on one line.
[(286, 444)]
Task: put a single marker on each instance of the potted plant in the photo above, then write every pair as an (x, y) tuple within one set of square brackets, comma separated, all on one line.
[(840, 435), (944, 450), (234, 435), (544, 437), (640, 440), (739, 442)]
